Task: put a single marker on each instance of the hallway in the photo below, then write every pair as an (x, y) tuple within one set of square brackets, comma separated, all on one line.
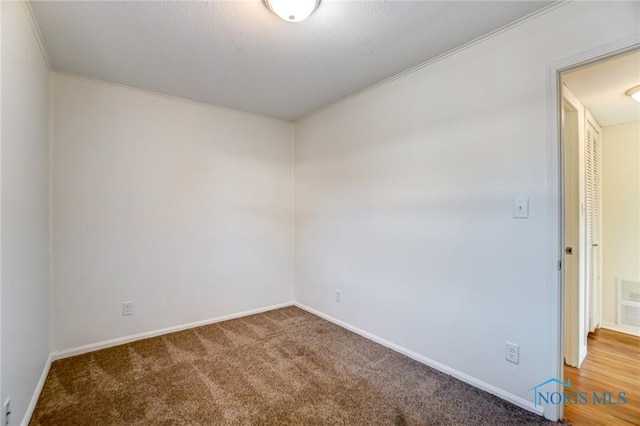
[(612, 365)]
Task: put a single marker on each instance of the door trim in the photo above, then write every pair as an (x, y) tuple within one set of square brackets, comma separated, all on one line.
[(555, 245)]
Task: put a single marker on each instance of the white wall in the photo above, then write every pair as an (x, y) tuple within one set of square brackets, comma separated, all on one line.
[(620, 211), (25, 209), (183, 208), (403, 200)]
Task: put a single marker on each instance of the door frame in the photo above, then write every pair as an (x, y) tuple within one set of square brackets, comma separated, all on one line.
[(556, 243)]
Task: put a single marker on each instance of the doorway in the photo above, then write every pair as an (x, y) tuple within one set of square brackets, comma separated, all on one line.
[(600, 137)]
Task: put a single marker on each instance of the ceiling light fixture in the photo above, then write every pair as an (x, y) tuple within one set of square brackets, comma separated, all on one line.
[(293, 10), (634, 93)]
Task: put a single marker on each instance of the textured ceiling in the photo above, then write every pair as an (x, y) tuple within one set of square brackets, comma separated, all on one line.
[(601, 88), (240, 55)]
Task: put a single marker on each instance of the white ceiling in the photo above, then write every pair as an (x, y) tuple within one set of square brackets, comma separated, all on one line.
[(601, 88), (240, 55)]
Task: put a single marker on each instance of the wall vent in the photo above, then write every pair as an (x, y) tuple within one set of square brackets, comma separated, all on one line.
[(628, 303)]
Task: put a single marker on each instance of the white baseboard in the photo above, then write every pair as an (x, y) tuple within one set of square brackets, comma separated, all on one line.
[(514, 399), (627, 329), (38, 390), (66, 353), (582, 355)]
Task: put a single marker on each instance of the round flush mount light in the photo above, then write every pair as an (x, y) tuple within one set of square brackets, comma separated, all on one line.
[(634, 93), (293, 10)]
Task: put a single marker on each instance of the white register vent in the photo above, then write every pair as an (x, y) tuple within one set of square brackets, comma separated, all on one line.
[(628, 303)]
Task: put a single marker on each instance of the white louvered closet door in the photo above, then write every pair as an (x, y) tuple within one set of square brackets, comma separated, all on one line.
[(592, 200)]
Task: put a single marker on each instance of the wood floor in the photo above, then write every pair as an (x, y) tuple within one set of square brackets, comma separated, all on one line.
[(612, 365)]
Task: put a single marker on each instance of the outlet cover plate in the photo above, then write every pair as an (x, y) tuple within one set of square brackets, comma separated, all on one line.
[(127, 308), (512, 352)]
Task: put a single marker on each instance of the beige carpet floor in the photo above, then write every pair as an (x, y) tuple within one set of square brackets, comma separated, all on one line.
[(281, 367)]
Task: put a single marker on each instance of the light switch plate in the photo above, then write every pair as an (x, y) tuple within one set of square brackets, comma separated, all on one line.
[(521, 207)]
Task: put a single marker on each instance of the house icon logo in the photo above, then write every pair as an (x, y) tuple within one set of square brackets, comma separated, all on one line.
[(547, 397)]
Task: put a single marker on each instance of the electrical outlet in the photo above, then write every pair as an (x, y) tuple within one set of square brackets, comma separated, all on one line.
[(338, 295), (512, 352), (7, 411), (127, 308)]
